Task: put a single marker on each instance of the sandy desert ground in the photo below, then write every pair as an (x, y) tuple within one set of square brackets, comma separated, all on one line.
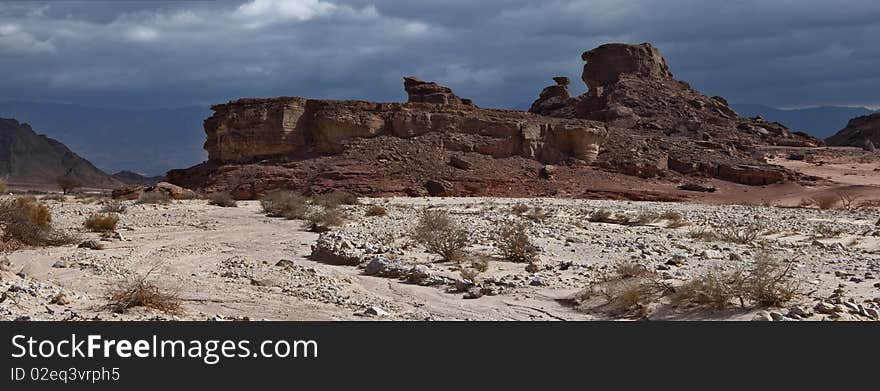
[(237, 263)]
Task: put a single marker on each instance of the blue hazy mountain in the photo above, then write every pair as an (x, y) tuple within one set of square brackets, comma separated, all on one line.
[(148, 142), (821, 122)]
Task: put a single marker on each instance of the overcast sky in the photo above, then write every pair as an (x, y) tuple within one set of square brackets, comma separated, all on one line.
[(501, 53)]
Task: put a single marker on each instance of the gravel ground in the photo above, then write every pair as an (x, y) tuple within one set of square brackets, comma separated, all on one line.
[(236, 263)]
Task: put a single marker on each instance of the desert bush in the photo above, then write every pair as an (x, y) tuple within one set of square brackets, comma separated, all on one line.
[(114, 206), (703, 233), (139, 290), (68, 184), (103, 222), (222, 199), (376, 210), (767, 283), (519, 209), (480, 263), (537, 214), (715, 288), (847, 200), (336, 198), (771, 282), (600, 216), (619, 294), (154, 197), (740, 234), (441, 235), (825, 201), (674, 218), (469, 274), (514, 244), (54, 197), (24, 220), (329, 216), (628, 269), (287, 204)]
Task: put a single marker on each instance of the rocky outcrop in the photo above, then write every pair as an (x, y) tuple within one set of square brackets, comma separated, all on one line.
[(553, 97), (27, 158), (252, 129), (420, 91), (863, 132), (660, 126)]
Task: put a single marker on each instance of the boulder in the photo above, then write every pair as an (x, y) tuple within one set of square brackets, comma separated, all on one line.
[(173, 191), (439, 188), (552, 97), (458, 162), (130, 192)]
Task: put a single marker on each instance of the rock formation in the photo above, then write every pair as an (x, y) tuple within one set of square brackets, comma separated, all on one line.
[(660, 126), (420, 91), (27, 158), (863, 132), (552, 97), (365, 142)]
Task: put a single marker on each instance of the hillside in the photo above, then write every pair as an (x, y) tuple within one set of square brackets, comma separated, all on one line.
[(819, 122), (145, 141), (29, 158)]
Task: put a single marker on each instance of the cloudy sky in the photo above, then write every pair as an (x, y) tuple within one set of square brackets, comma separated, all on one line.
[(787, 53)]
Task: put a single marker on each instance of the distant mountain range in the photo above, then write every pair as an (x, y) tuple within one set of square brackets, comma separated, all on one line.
[(148, 142), (27, 158), (821, 122)]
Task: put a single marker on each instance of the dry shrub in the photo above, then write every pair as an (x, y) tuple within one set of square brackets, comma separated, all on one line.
[(441, 235), (469, 274), (26, 221), (537, 214), (140, 291), (329, 216), (704, 234), (103, 222), (154, 197), (519, 209), (601, 216), (287, 204), (376, 210), (740, 234), (626, 269), (480, 263), (222, 199), (514, 244), (68, 184), (114, 206), (675, 219), (825, 201), (848, 200), (336, 198), (54, 197), (768, 283), (629, 294)]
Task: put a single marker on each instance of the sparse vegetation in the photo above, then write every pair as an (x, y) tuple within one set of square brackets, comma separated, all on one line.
[(26, 221), (103, 222), (140, 291), (825, 201), (376, 210), (519, 209), (329, 216), (601, 216), (768, 283), (731, 233), (222, 199), (628, 291), (287, 204), (154, 197), (441, 235), (848, 201), (114, 206), (514, 244), (68, 184)]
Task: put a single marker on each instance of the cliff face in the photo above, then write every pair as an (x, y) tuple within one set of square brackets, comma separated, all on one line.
[(861, 131), (251, 129), (29, 158)]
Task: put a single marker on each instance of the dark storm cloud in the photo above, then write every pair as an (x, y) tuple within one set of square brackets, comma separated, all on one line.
[(501, 53)]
